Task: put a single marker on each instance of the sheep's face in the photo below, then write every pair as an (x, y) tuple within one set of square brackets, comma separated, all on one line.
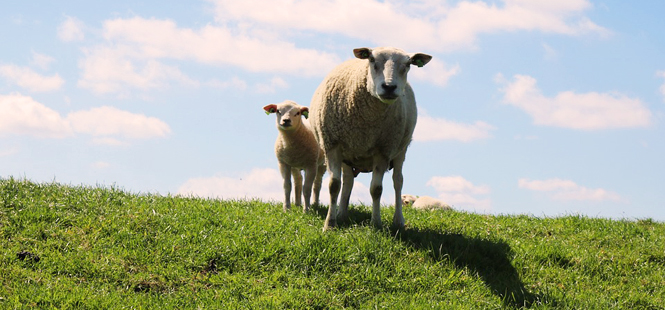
[(408, 199), (288, 114), (387, 70)]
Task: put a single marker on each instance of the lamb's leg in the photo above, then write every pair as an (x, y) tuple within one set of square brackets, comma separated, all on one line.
[(335, 167), (347, 186), (398, 181), (285, 170), (317, 183), (297, 178), (376, 189), (310, 174)]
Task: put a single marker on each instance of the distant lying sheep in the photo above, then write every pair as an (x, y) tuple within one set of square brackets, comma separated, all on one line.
[(296, 149), (424, 202), (363, 115)]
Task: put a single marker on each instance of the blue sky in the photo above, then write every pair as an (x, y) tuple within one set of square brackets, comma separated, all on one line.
[(529, 107)]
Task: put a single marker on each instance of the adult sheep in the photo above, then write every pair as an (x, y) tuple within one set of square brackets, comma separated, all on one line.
[(363, 115)]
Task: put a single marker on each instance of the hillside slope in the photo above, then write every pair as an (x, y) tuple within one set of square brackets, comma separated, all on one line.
[(89, 247)]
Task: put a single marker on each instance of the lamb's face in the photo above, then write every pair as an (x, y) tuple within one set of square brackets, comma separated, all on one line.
[(388, 68), (288, 114), (408, 199)]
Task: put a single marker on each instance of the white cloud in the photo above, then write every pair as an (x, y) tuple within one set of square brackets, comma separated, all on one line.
[(259, 183), (22, 115), (41, 61), (550, 52), (217, 46), (8, 151), (423, 25), (587, 111), (567, 190), (262, 183), (71, 30), (30, 80), (271, 86), (100, 165), (108, 122), (235, 83), (109, 70), (435, 72), (435, 129), (461, 193), (662, 87)]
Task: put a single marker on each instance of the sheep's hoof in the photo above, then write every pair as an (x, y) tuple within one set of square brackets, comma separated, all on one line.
[(329, 225), (305, 209), (376, 223)]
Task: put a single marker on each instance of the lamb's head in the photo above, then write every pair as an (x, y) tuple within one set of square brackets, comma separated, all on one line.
[(288, 114), (388, 67), (408, 199)]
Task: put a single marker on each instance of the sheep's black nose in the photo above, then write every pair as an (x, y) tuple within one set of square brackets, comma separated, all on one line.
[(286, 122), (388, 88)]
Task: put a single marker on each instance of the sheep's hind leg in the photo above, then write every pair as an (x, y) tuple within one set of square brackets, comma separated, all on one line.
[(376, 189), (310, 174), (347, 186), (285, 170), (335, 168), (321, 170), (297, 179)]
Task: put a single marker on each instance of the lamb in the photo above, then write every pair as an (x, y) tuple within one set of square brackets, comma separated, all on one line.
[(424, 202), (296, 149), (363, 115)]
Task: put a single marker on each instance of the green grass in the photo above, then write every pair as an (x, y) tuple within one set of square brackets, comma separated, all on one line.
[(94, 248)]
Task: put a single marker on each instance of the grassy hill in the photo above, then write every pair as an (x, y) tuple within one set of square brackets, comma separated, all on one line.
[(89, 247)]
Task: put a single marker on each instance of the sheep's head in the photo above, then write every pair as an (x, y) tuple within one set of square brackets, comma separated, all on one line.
[(387, 71), (288, 114), (408, 199)]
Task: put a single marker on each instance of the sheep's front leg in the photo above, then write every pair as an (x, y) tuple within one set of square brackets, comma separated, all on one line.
[(321, 170), (347, 186), (398, 181), (310, 174), (376, 189), (335, 167), (285, 170), (297, 179)]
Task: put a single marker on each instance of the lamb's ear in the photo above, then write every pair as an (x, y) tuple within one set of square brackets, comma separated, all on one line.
[(271, 108), (305, 112), (362, 53), (420, 59)]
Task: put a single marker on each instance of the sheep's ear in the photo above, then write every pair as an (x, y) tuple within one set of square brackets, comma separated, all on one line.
[(305, 112), (362, 53), (271, 108), (420, 59)]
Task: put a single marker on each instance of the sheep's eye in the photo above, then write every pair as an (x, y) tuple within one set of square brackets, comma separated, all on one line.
[(297, 113), (371, 59)]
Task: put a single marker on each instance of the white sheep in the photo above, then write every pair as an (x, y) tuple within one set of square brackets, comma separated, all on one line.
[(424, 202), (296, 149), (363, 115)]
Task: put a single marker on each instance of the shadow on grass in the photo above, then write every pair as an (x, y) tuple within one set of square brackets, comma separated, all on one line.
[(489, 259)]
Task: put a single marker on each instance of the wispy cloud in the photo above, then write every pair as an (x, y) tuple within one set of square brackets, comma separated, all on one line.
[(662, 87), (428, 25), (567, 190), (262, 183), (586, 111), (461, 193), (436, 129), (29, 79), (22, 115), (71, 30)]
